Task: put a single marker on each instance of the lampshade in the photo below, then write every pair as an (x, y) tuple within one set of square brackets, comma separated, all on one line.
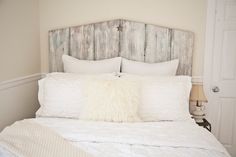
[(197, 94)]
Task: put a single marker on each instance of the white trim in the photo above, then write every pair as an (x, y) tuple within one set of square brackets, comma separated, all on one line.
[(19, 81), (43, 75), (209, 42), (208, 61), (197, 80)]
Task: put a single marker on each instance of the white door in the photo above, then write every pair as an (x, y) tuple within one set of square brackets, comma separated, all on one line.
[(221, 88)]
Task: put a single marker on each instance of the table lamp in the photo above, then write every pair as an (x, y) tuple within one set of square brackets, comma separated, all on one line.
[(197, 95)]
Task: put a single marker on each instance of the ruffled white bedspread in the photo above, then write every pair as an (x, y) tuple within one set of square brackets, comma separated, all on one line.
[(167, 139)]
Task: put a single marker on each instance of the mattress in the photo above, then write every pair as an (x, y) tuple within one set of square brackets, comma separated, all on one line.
[(149, 139)]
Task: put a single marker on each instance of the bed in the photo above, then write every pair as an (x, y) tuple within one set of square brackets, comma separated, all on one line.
[(150, 139), (135, 41)]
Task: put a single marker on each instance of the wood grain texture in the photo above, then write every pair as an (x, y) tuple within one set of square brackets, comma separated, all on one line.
[(106, 39), (157, 44), (58, 45), (132, 40), (135, 41), (182, 48), (82, 42)]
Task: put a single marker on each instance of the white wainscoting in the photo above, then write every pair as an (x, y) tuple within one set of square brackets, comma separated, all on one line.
[(18, 99)]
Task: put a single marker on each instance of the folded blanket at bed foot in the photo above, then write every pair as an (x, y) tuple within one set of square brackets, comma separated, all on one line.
[(29, 139)]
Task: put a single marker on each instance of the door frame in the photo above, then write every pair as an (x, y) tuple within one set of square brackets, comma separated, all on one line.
[(208, 63)]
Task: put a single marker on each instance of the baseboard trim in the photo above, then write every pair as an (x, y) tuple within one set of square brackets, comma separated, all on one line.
[(19, 81)]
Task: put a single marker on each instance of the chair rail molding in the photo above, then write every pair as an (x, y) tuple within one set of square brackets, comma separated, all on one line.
[(197, 80), (19, 81)]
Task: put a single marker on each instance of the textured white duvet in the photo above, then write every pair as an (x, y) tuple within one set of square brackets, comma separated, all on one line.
[(149, 139)]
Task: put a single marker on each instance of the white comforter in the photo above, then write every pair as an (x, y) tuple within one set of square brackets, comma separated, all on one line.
[(166, 139)]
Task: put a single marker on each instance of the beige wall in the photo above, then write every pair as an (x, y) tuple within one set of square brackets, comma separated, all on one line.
[(19, 57), (184, 14), (19, 38), (18, 103)]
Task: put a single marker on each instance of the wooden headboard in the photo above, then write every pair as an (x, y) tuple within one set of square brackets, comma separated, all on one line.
[(129, 39)]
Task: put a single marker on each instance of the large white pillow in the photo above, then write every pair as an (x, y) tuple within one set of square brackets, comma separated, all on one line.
[(61, 94), (112, 100), (163, 98), (168, 68), (73, 65)]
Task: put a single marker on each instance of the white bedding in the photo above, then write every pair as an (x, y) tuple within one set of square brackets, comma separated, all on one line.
[(149, 139), (180, 138)]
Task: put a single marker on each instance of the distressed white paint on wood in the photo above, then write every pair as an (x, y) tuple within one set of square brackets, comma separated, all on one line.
[(58, 45), (106, 39), (135, 41), (157, 44), (82, 42), (182, 48), (132, 40)]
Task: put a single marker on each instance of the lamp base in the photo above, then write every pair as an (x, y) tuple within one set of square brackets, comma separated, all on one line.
[(198, 114), (198, 119)]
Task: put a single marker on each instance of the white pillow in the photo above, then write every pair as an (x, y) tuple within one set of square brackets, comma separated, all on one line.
[(163, 98), (112, 100), (61, 95), (168, 68), (73, 65)]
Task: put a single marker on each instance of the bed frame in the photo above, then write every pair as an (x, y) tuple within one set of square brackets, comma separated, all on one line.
[(129, 39)]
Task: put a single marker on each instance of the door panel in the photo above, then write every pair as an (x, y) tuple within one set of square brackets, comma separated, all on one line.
[(224, 75), (228, 57), (227, 121)]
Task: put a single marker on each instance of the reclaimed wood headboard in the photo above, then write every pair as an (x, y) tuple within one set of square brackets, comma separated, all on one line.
[(129, 39)]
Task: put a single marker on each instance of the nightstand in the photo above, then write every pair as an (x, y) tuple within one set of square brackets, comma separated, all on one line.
[(205, 124)]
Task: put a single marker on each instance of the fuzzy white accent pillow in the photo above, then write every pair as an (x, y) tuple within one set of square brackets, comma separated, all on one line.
[(111, 100)]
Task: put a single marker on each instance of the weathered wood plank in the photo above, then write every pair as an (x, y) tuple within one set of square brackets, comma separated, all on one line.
[(132, 40), (58, 45), (157, 44), (182, 48), (106, 39), (82, 42), (135, 41)]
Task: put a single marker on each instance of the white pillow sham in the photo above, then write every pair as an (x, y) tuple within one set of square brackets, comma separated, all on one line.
[(73, 65), (112, 100), (163, 98), (168, 68), (61, 95)]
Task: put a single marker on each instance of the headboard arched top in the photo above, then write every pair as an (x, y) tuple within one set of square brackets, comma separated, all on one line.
[(132, 40)]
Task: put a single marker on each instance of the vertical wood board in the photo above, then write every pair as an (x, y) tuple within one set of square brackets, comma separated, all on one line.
[(58, 45), (82, 42), (182, 48), (106, 39), (132, 40), (157, 44)]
